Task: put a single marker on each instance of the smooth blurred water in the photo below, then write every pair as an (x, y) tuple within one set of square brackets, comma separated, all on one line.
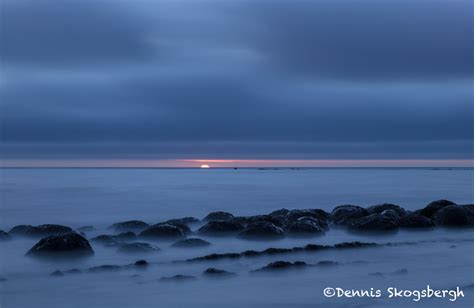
[(76, 197)]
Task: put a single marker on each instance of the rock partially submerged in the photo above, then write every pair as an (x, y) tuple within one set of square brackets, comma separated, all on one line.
[(215, 216), (4, 236), (39, 231), (415, 221), (454, 216), (379, 208), (191, 243), (262, 230), (163, 232), (178, 278), (66, 245), (375, 222), (345, 215), (221, 228), (138, 247), (433, 207), (185, 220), (214, 272), (130, 225), (282, 265), (307, 226)]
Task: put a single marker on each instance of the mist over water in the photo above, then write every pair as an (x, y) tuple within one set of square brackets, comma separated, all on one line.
[(440, 258)]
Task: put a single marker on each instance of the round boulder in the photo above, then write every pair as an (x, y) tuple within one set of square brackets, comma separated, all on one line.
[(219, 228), (130, 225), (65, 245), (191, 243), (262, 230), (379, 208), (375, 222), (39, 231), (454, 216), (307, 226), (414, 220), (215, 216), (433, 207), (344, 215), (163, 231)]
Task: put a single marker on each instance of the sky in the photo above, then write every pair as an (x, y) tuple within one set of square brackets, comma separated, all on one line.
[(236, 82)]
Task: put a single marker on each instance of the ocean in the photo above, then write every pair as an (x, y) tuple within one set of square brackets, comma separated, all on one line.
[(440, 259)]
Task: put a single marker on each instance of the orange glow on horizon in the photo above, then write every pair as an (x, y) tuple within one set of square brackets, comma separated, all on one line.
[(232, 163)]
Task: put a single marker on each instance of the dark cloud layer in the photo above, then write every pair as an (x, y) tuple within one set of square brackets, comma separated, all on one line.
[(266, 79)]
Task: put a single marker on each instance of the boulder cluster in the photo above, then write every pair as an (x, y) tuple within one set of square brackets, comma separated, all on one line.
[(58, 240)]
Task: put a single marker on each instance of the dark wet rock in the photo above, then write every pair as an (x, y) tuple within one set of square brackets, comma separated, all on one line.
[(39, 231), (191, 243), (217, 228), (281, 212), (316, 213), (85, 229), (137, 247), (184, 220), (355, 244), (104, 268), (105, 239), (215, 216), (434, 206), (282, 265), (278, 221), (326, 263), (4, 236), (379, 208), (131, 225), (262, 230), (66, 245), (307, 226), (214, 272), (402, 271), (345, 215), (414, 220), (163, 232), (374, 222), (178, 278), (454, 216), (391, 214), (126, 236), (184, 227), (141, 263), (57, 273)]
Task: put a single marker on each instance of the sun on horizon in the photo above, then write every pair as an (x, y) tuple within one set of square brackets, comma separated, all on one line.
[(205, 166)]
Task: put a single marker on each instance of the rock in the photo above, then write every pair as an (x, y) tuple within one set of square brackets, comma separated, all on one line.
[(137, 247), (85, 229), (131, 225), (105, 239), (278, 221), (414, 220), (434, 206), (184, 227), (282, 265), (214, 272), (126, 236), (220, 228), (454, 216), (141, 263), (191, 243), (184, 220), (39, 231), (4, 236), (57, 273), (307, 226), (281, 212), (104, 268), (374, 222), (316, 213), (178, 278), (262, 230), (344, 215), (163, 232), (215, 216), (387, 206), (66, 245)]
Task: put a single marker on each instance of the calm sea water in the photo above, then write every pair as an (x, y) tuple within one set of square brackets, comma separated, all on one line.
[(99, 197)]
